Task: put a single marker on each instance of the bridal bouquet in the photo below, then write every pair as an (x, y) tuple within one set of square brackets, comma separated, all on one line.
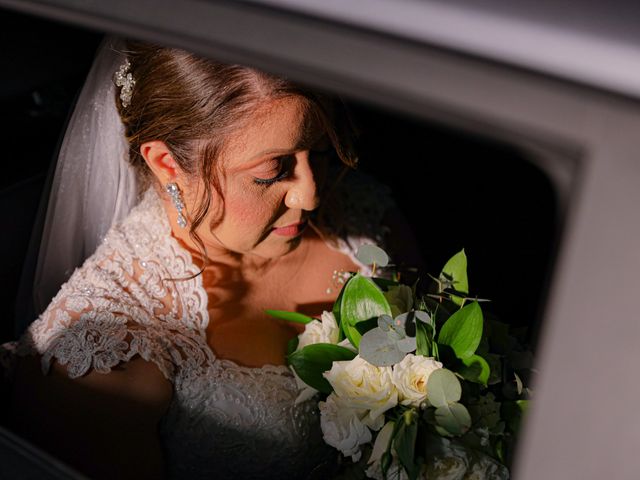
[(415, 385)]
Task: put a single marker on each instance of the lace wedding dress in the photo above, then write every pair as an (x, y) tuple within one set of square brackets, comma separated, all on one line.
[(225, 420)]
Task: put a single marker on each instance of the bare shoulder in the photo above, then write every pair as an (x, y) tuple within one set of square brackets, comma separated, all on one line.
[(105, 425)]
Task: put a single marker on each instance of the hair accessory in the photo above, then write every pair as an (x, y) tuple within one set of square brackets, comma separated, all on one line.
[(174, 192), (124, 79)]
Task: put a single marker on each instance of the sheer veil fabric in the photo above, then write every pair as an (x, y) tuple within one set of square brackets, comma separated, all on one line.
[(93, 187)]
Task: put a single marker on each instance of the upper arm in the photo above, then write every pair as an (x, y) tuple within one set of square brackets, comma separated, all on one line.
[(105, 425)]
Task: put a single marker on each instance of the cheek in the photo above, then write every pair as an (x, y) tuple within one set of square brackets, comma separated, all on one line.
[(249, 211)]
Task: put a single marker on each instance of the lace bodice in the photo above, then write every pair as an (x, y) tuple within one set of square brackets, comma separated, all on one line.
[(224, 419)]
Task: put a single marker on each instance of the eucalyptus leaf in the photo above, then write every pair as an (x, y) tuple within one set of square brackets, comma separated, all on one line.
[(289, 316), (476, 369), (463, 330), (424, 317), (313, 360), (370, 254), (455, 272), (443, 388), (454, 418), (361, 300), (385, 322), (395, 335), (407, 344), (378, 349)]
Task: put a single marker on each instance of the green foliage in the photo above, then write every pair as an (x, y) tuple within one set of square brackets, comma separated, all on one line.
[(454, 419), (476, 369), (443, 388), (361, 300), (289, 316), (388, 343), (454, 276), (463, 331), (313, 360), (372, 255), (404, 443), (378, 349)]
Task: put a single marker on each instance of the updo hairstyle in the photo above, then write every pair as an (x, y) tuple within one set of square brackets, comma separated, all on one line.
[(193, 104)]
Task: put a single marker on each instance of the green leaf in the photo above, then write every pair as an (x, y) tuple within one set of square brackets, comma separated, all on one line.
[(313, 360), (289, 316), (455, 272), (336, 313), (405, 446), (292, 344), (370, 254), (424, 339), (476, 369), (361, 300), (454, 418), (443, 388), (513, 412), (463, 331)]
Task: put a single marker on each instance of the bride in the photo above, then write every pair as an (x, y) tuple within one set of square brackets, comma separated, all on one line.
[(158, 358)]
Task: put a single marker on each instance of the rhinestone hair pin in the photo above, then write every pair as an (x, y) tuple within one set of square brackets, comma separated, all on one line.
[(124, 79)]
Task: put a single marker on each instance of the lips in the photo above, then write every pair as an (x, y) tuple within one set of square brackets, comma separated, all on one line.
[(290, 230)]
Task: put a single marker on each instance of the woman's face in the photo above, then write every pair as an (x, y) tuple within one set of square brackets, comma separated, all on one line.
[(271, 172)]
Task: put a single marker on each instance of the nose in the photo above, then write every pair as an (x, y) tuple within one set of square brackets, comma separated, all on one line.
[(303, 190)]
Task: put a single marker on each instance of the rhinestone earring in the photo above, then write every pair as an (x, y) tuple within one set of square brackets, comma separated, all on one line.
[(174, 192)]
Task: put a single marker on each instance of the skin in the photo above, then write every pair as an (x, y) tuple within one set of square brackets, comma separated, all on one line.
[(98, 422)]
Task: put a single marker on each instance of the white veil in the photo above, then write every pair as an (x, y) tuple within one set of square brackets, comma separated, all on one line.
[(93, 185)]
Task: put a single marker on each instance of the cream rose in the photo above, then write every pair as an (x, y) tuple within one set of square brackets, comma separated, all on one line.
[(342, 427), (324, 330), (410, 378), (364, 386)]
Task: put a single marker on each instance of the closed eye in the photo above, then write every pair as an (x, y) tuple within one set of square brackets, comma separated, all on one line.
[(282, 169)]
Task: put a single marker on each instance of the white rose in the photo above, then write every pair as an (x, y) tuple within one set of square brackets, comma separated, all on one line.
[(342, 427), (324, 330), (364, 386), (396, 471), (400, 299), (410, 378)]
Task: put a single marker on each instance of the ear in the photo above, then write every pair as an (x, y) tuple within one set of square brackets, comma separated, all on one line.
[(160, 161)]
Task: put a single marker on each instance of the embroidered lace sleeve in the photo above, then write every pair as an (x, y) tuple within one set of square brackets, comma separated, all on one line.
[(122, 302), (90, 327)]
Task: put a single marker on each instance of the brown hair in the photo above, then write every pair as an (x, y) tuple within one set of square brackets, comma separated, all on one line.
[(192, 104)]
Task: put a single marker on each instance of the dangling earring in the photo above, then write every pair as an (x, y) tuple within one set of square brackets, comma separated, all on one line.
[(174, 192)]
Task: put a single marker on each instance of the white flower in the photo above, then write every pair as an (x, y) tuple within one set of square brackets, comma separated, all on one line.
[(324, 330), (342, 427), (410, 378), (364, 386), (395, 472), (400, 299)]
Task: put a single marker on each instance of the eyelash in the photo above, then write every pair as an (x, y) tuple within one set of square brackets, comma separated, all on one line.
[(285, 173), (281, 176)]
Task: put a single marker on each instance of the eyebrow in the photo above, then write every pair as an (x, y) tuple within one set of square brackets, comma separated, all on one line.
[(304, 142)]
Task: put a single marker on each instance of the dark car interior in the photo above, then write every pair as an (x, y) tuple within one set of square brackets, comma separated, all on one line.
[(457, 190)]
